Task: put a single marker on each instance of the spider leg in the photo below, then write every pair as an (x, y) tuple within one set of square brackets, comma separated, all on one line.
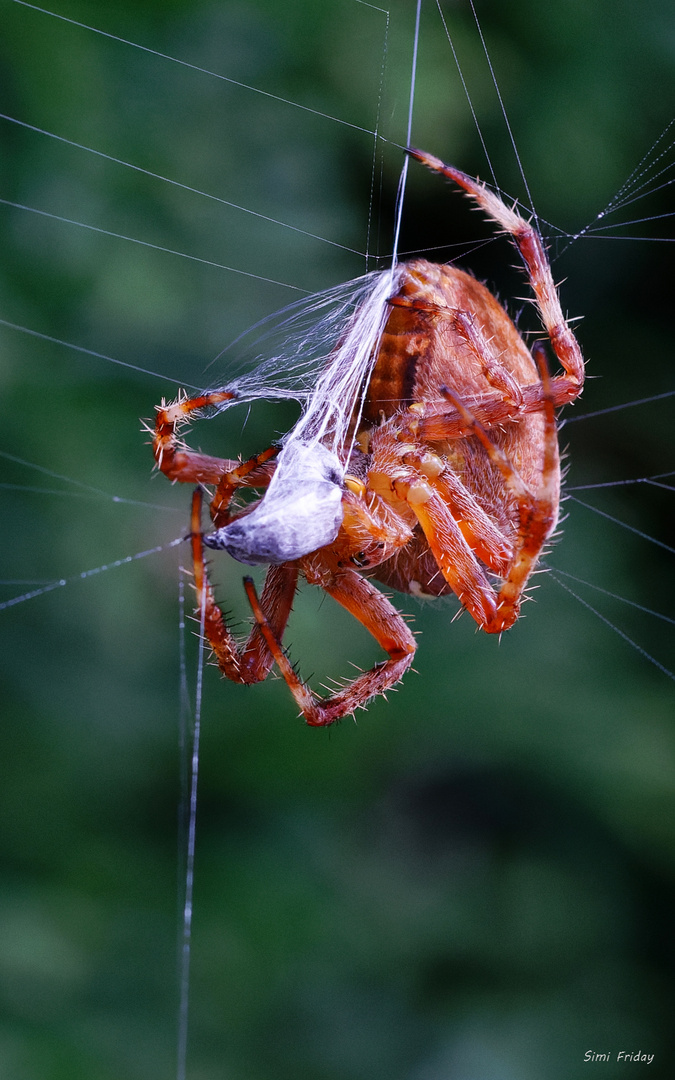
[(488, 409), (537, 512), (176, 462), (252, 662), (529, 243), (425, 470), (451, 550), (455, 545), (477, 528), (508, 400), (379, 617), (463, 322), (256, 472)]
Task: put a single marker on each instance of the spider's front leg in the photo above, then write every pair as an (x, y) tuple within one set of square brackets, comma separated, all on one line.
[(252, 662), (379, 617), (567, 387), (175, 460)]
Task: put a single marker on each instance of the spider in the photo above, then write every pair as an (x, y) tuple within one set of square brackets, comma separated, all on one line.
[(451, 481)]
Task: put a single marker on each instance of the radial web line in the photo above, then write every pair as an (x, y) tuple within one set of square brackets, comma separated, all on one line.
[(630, 189), (148, 244), (84, 574), (623, 524), (88, 489), (376, 135), (185, 724), (97, 355), (165, 180), (404, 171), (616, 408), (58, 493), (184, 990), (466, 93), (505, 114), (619, 200), (607, 622), (597, 233), (653, 481), (612, 595), (195, 67)]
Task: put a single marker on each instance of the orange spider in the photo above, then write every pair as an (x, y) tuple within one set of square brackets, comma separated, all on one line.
[(450, 479)]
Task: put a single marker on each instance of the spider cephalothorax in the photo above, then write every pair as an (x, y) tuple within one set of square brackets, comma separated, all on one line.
[(444, 478)]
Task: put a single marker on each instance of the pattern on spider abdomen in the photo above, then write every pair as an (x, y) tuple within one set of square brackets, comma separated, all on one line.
[(421, 349)]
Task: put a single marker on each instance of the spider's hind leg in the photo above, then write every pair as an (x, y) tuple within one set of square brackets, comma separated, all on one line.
[(380, 618)]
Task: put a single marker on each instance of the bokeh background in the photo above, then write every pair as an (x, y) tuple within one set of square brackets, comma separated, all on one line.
[(475, 881)]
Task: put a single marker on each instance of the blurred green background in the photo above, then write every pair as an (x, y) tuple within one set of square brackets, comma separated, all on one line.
[(476, 881)]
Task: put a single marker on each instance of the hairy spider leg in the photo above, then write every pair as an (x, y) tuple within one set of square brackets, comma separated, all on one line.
[(251, 662), (508, 401), (455, 548), (172, 458), (452, 552), (455, 526), (510, 391), (529, 243), (537, 511), (488, 409), (378, 616), (256, 472), (457, 529), (477, 528)]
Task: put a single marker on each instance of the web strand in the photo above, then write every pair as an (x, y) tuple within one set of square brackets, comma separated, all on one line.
[(164, 180), (615, 629), (196, 67), (186, 947), (404, 172)]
